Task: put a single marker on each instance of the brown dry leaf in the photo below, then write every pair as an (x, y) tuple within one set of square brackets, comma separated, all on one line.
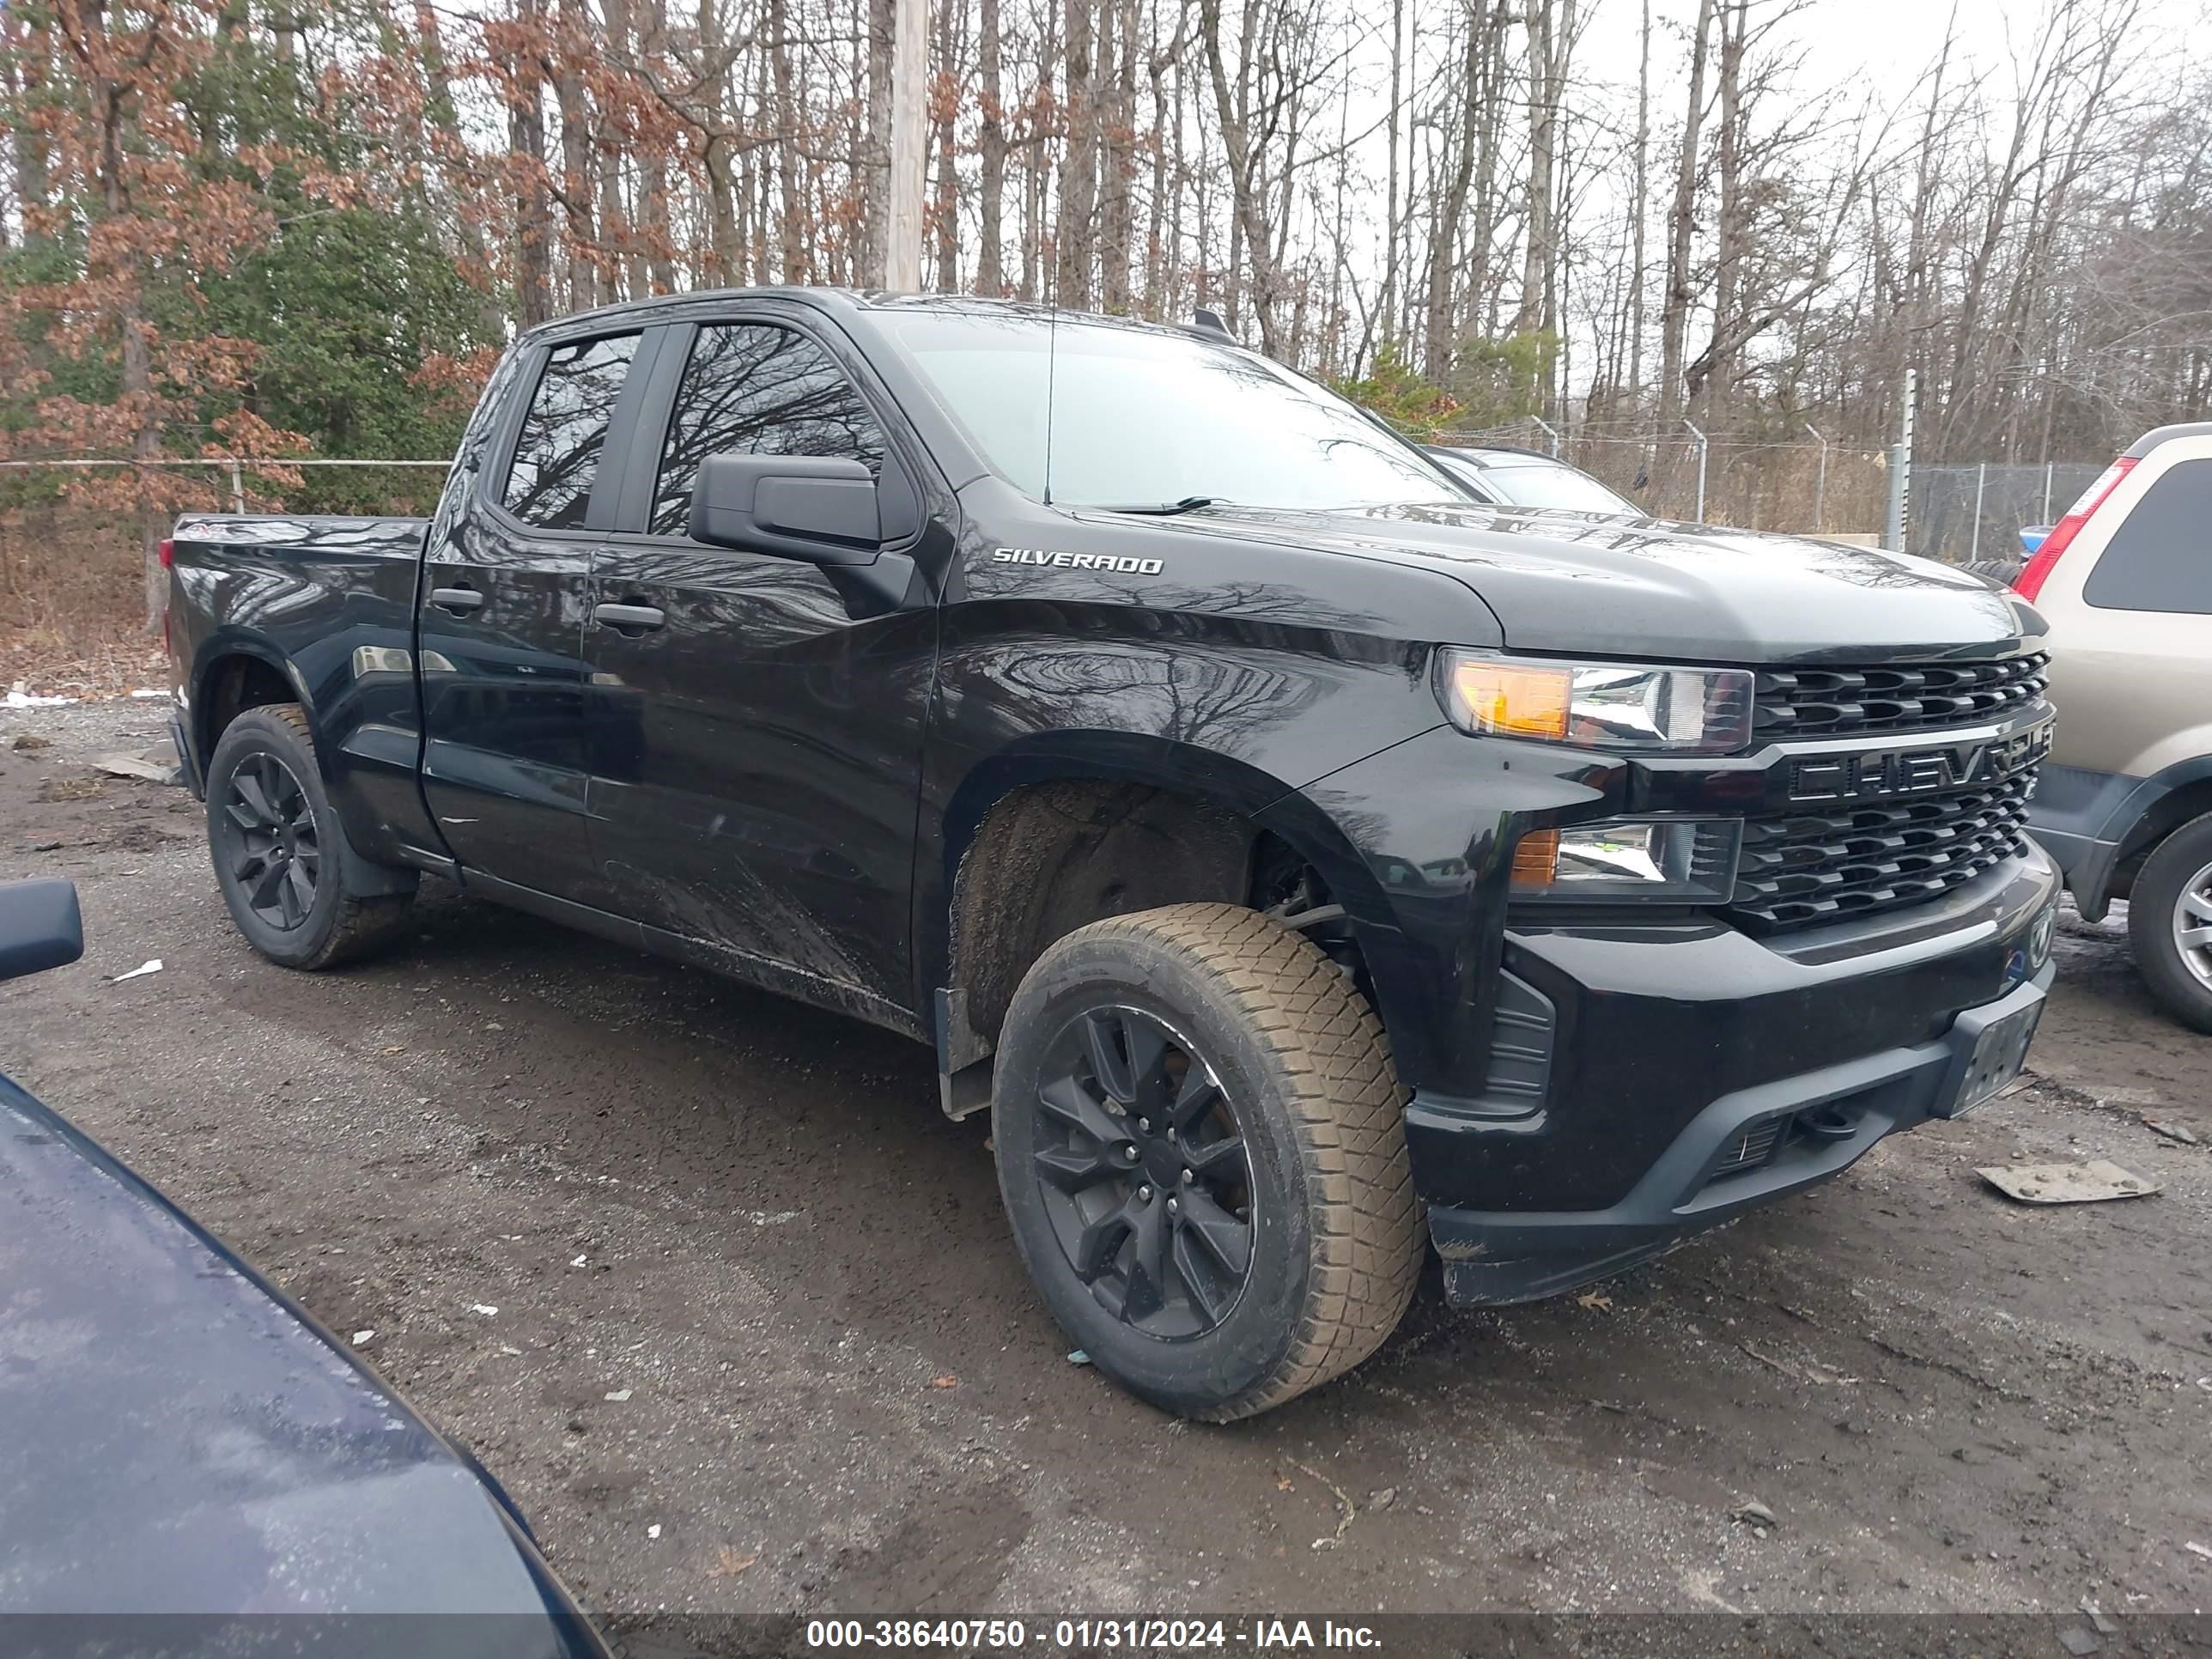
[(1593, 1299), (729, 1564), (943, 1381), (1283, 1484)]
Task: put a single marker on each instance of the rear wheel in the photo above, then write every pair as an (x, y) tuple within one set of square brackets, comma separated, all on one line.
[(2170, 922), (1200, 1148), (288, 876)]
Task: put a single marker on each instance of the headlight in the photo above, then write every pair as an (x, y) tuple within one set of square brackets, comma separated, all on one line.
[(1677, 860), (1698, 711)]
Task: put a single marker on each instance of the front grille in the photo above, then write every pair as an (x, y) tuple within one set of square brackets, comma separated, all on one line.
[(1816, 702), (1805, 868)]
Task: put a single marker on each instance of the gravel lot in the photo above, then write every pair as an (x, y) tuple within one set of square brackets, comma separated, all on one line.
[(761, 1344)]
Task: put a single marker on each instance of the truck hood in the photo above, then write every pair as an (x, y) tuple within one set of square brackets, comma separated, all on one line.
[(1597, 585)]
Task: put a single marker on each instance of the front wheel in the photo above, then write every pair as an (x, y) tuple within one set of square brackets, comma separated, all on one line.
[(2170, 922), (288, 876), (1200, 1146)]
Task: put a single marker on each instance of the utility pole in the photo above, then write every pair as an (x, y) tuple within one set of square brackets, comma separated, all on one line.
[(910, 144)]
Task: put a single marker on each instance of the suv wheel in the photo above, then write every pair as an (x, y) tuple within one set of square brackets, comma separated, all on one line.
[(286, 872), (2170, 922), (1201, 1147)]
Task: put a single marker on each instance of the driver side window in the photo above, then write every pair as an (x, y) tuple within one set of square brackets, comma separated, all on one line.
[(758, 389)]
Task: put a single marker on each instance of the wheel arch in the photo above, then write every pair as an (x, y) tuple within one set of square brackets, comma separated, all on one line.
[(2183, 795), (236, 671), (1156, 821)]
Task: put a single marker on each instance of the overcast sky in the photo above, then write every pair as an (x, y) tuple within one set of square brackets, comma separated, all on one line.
[(1890, 42)]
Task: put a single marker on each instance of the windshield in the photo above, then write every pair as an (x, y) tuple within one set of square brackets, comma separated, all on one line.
[(1143, 419), (1549, 483)]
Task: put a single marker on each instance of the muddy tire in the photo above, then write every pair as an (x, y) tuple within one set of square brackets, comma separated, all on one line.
[(2170, 923), (294, 884), (1201, 1147)]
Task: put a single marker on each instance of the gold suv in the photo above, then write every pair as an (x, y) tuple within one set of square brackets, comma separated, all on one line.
[(2124, 802)]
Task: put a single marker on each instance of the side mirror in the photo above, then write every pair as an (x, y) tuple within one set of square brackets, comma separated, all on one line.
[(820, 509), (40, 927)]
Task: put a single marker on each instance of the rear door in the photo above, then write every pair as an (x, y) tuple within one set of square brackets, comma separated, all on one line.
[(2130, 612), (756, 725), (505, 597)]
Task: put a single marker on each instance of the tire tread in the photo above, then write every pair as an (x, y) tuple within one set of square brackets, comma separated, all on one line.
[(2150, 929), (1346, 1110), (364, 924)]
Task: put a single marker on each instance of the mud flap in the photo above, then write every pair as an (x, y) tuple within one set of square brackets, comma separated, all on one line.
[(965, 1060)]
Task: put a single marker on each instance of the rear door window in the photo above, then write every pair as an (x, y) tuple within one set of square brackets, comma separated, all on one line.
[(2160, 558), (557, 455), (758, 389)]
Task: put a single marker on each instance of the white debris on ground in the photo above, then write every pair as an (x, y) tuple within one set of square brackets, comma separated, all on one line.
[(2092, 1182)]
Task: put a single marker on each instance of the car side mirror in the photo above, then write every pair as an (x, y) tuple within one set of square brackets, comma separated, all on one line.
[(822, 509), (40, 927)]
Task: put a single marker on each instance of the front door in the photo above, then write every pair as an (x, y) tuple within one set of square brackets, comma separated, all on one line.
[(756, 733), (504, 599)]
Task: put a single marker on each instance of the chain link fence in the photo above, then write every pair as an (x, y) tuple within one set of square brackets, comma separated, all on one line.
[(69, 567), (1957, 514), (1960, 514), (1802, 487)]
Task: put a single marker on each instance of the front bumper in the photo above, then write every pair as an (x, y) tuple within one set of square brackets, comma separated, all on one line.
[(1676, 1056)]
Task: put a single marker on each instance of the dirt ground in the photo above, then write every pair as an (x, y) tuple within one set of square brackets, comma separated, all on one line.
[(760, 1342)]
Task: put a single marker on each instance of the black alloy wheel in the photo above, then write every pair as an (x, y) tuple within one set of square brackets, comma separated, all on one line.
[(269, 844), (1144, 1172)]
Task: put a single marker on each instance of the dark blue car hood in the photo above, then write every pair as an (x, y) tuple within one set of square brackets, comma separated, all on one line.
[(180, 1438)]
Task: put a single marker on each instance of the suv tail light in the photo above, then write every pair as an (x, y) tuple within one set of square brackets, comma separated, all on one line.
[(169, 553), (2030, 581)]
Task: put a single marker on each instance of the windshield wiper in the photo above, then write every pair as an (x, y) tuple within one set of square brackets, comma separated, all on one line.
[(1169, 509)]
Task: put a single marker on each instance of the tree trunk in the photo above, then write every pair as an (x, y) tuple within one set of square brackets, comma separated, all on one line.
[(790, 230), (1079, 162), (621, 259), (653, 174), (991, 142), (1537, 250), (876, 189), (533, 285), (1639, 209), (944, 98), (582, 242), (1387, 308), (1682, 221), (1115, 216), (1730, 234), (1248, 201)]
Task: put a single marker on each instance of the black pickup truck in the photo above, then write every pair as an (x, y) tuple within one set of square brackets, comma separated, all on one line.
[(1297, 857)]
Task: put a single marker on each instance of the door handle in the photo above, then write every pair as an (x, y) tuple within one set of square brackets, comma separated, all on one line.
[(629, 618), (459, 600)]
